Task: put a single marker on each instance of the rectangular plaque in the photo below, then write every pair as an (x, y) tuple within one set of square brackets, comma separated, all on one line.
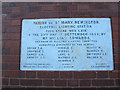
[(66, 44)]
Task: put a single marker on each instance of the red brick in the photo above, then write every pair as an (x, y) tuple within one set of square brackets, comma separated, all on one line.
[(10, 66), (4, 87), (5, 23), (119, 58), (11, 43), (29, 9), (5, 81), (5, 51), (3, 29), (11, 36), (115, 29), (72, 8), (61, 8), (66, 75), (115, 35), (116, 42), (72, 82), (63, 3), (84, 75), (4, 17), (85, 82), (10, 59), (48, 74), (48, 14), (102, 74), (83, 6), (32, 15), (11, 51), (100, 6), (64, 14), (116, 50), (114, 21), (45, 8), (5, 4), (60, 82), (15, 9), (26, 82), (14, 81), (81, 14), (16, 22), (112, 5), (14, 74), (12, 4), (13, 29), (116, 58), (21, 4), (13, 67), (114, 74), (16, 16), (117, 66), (30, 74), (48, 82), (110, 14), (14, 51), (31, 4), (117, 81), (4, 66), (45, 14), (103, 82)]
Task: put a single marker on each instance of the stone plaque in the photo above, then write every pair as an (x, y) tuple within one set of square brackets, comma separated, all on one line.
[(66, 44)]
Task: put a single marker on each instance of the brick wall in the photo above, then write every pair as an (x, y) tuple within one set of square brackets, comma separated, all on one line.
[(12, 15)]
